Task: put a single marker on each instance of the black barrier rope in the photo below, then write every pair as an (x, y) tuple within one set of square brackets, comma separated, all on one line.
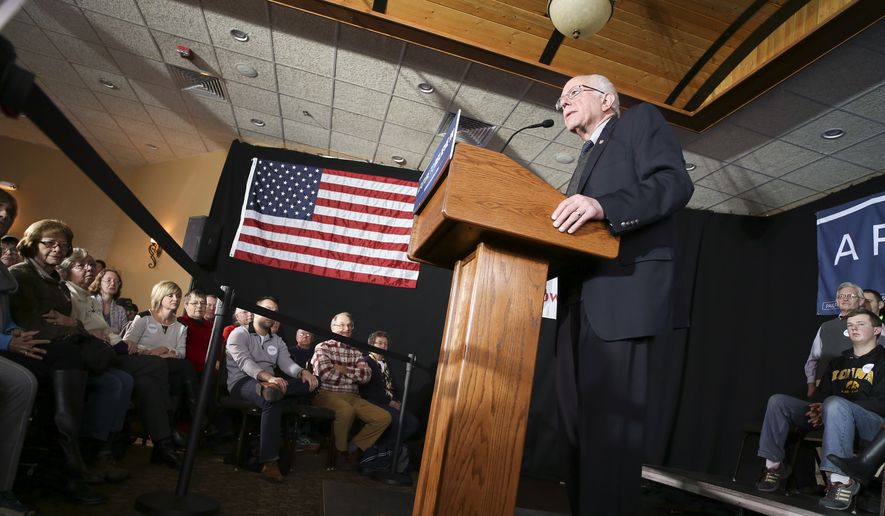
[(19, 94)]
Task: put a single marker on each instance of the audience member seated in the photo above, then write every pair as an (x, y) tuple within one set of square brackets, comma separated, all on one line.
[(851, 398), (872, 301), (157, 332), (253, 354), (831, 339), (199, 329), (106, 289), (383, 390), (211, 303), (341, 370), (242, 318), (302, 351), (10, 254), (41, 303), (107, 393), (100, 265), (18, 387)]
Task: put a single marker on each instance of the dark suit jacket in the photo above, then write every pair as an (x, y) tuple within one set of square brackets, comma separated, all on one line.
[(637, 173), (373, 390)]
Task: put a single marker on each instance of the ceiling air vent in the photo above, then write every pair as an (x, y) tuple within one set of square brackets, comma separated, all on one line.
[(198, 83), (470, 131)]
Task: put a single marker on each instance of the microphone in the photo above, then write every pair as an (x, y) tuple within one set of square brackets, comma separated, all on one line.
[(545, 123)]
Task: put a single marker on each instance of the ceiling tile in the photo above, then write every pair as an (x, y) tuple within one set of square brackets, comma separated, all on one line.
[(184, 152), (489, 95), (305, 85), (825, 174), (155, 95), (180, 17), (266, 79), (218, 138), (733, 180), (738, 206), (58, 17), (121, 9), (406, 139), (273, 124), (685, 136), (384, 154), (547, 158), (726, 142), (94, 118), (82, 52), (122, 35), (352, 146), (368, 59), (412, 114), (869, 153), (174, 120), (777, 193), (354, 124), (555, 178), (253, 98), (441, 71), (826, 81), (363, 101), (143, 69), (704, 166), (570, 139), (318, 114), (30, 37), (778, 158), (777, 112), (183, 140), (856, 129), (203, 59), (111, 136), (703, 198), (50, 69), (92, 77), (123, 107), (303, 41), (528, 113), (140, 131), (73, 95), (307, 149), (22, 17), (872, 37), (871, 105), (307, 134), (524, 146), (249, 16), (544, 95), (215, 111)]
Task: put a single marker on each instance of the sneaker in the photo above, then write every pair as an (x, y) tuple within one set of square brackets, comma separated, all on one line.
[(305, 443), (271, 472), (773, 479), (839, 495), (9, 505)]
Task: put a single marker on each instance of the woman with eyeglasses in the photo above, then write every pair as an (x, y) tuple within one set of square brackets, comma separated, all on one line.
[(42, 303), (158, 332), (108, 393), (106, 290)]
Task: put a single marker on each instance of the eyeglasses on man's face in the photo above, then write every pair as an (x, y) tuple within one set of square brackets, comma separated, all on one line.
[(52, 244), (847, 296), (79, 266), (10, 250), (348, 326), (573, 93)]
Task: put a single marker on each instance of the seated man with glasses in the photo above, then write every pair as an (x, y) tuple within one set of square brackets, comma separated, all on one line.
[(199, 329), (10, 254), (341, 369), (832, 336)]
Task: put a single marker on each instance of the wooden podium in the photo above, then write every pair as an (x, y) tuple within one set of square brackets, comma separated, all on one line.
[(489, 219)]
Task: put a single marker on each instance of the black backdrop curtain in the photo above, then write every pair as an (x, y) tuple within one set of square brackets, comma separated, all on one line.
[(747, 285)]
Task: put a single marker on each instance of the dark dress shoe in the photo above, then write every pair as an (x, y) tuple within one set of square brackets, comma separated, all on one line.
[(271, 472), (106, 467), (82, 494), (164, 453)]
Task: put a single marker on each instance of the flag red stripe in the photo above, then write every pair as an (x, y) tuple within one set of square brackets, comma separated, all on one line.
[(362, 208), (366, 177), (367, 192), (319, 235), (366, 226), (325, 271)]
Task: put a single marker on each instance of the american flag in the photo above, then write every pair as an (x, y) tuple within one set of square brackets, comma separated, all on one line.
[(327, 222)]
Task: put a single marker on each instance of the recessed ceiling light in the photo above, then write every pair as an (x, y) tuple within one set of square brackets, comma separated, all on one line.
[(832, 134), (107, 84), (564, 157), (690, 166), (258, 122), (151, 146), (425, 87), (239, 35), (246, 70), (8, 185), (399, 160)]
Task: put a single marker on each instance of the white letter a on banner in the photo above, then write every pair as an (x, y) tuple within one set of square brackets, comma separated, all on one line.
[(846, 242)]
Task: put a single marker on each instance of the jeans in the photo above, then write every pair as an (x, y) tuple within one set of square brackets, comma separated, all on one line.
[(841, 419), (271, 413), (106, 404)]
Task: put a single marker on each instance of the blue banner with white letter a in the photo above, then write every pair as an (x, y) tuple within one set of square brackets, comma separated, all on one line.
[(850, 247)]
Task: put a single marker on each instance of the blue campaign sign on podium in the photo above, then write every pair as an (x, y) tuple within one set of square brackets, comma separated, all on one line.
[(434, 171)]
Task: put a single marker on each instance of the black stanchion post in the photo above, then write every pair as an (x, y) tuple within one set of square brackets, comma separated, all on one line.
[(392, 477), (181, 502)]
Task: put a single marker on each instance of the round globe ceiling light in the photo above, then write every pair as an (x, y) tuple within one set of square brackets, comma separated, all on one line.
[(580, 18)]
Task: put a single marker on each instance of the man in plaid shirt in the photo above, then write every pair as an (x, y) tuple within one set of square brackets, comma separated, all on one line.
[(341, 370)]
